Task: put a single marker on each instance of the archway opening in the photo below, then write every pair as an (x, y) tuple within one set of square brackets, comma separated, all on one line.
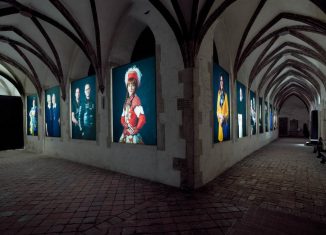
[(11, 117), (294, 118)]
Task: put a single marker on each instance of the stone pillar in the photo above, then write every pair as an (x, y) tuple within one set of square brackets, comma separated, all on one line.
[(186, 105), (189, 167)]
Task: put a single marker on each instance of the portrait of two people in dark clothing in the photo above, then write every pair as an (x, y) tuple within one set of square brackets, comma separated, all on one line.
[(52, 112), (83, 108)]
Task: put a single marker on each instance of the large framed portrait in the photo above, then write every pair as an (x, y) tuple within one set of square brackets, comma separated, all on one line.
[(241, 109), (253, 113), (32, 115), (221, 104), (271, 117), (266, 116), (134, 103), (275, 119), (261, 129), (52, 112), (83, 108)]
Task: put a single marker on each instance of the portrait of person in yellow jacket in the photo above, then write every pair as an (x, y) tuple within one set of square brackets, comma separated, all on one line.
[(222, 112)]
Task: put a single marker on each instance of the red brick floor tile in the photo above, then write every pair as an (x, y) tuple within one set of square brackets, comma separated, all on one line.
[(94, 231), (66, 197), (129, 230), (41, 230), (85, 227), (89, 220), (105, 226), (79, 214), (76, 220), (56, 229), (71, 228), (25, 231), (11, 231), (214, 231)]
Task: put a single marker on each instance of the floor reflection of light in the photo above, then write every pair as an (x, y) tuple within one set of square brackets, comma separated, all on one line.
[(301, 145)]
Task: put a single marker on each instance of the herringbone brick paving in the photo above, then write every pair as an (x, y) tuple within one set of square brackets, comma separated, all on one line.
[(40, 194)]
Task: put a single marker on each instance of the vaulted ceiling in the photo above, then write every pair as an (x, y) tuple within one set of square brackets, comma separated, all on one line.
[(39, 38), (277, 47)]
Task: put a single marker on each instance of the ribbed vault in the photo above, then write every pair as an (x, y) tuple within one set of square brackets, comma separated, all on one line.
[(37, 35), (279, 47), (290, 61)]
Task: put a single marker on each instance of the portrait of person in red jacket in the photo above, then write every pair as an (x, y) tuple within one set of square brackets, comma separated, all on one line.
[(133, 116)]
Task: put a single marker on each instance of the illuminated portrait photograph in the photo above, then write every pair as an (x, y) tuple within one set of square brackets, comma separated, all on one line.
[(221, 104), (253, 113), (261, 129), (266, 116), (32, 115), (83, 108), (134, 103), (271, 117), (275, 119), (241, 109), (52, 112)]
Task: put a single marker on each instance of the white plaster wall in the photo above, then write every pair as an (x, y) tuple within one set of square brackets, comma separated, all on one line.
[(138, 160), (148, 161), (7, 88), (216, 158), (4, 89)]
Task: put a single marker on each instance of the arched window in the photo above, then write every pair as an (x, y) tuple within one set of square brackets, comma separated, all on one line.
[(145, 46), (215, 55), (91, 70)]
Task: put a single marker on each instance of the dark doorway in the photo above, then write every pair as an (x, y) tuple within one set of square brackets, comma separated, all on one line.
[(283, 127), (314, 125), (294, 125), (11, 119)]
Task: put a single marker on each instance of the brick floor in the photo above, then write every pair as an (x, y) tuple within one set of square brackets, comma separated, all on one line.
[(40, 194)]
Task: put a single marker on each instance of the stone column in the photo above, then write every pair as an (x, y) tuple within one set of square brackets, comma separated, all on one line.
[(186, 105)]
